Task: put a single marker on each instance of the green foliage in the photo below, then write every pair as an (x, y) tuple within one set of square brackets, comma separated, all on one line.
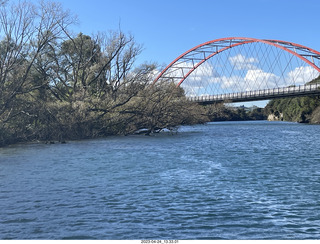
[(298, 109), (315, 117)]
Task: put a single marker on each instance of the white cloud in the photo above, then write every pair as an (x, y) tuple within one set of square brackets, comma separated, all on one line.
[(241, 62), (231, 82), (204, 71), (257, 79), (301, 75), (199, 78)]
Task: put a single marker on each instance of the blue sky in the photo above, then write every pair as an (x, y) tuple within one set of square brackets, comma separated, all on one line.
[(167, 28)]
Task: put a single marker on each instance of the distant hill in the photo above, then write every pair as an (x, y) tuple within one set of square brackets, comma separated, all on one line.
[(297, 109)]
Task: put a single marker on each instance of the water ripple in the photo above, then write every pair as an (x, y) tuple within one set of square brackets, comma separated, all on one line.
[(218, 181)]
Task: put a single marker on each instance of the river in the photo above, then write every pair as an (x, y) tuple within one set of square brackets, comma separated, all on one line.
[(228, 180)]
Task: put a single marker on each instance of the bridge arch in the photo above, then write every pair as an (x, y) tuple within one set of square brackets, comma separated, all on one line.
[(185, 64)]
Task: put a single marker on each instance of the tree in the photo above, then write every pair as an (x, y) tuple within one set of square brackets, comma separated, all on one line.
[(161, 106), (58, 86), (28, 30), (297, 109)]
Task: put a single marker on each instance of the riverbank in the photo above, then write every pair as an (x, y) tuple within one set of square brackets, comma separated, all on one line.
[(297, 109), (77, 120), (169, 115)]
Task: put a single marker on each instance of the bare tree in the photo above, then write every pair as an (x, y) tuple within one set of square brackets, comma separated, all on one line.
[(26, 30), (56, 85)]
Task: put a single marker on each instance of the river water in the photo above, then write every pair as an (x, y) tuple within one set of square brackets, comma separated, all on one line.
[(230, 180)]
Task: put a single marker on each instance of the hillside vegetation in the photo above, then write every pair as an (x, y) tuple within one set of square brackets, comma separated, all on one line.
[(297, 109)]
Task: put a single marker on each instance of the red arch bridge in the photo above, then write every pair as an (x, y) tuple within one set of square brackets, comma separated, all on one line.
[(238, 69)]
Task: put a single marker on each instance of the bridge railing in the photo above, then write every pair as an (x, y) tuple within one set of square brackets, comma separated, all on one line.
[(260, 94)]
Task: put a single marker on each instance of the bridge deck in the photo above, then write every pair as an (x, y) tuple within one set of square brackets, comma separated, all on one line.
[(302, 90)]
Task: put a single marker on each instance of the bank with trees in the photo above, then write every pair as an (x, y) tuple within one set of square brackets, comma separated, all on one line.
[(304, 109), (58, 86)]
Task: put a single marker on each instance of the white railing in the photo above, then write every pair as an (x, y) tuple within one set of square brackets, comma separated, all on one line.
[(260, 94)]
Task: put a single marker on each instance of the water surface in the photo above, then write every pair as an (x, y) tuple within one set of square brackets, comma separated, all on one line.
[(230, 180)]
